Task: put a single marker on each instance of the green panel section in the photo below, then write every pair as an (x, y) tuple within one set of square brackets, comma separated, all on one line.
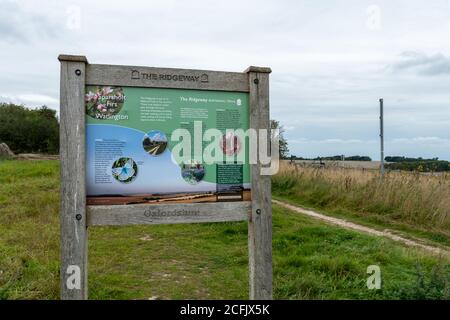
[(147, 109)]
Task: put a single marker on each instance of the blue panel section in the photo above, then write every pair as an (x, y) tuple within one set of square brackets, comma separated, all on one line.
[(155, 174)]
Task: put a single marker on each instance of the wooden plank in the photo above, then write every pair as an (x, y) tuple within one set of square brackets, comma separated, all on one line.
[(168, 213), (133, 76), (72, 58), (73, 276), (258, 69), (260, 219)]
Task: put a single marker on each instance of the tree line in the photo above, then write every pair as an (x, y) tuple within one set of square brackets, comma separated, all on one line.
[(406, 159), (334, 158), (421, 166), (417, 164), (27, 130)]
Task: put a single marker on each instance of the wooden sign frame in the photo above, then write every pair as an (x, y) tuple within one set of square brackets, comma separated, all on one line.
[(76, 216)]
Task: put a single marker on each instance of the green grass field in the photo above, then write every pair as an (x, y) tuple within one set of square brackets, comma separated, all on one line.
[(196, 261), (414, 205)]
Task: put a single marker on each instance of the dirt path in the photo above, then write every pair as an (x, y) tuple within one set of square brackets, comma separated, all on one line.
[(357, 227), (36, 156)]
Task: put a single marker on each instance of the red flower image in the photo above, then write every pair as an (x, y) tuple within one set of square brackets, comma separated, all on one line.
[(230, 144)]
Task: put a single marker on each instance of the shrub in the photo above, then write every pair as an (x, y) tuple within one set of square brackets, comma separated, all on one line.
[(27, 130)]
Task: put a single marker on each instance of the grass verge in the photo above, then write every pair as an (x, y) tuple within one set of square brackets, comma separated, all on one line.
[(416, 206), (311, 260)]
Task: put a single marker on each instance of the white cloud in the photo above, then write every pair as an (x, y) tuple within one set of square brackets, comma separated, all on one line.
[(19, 24), (423, 64), (289, 128), (33, 100), (329, 68), (423, 140), (328, 141)]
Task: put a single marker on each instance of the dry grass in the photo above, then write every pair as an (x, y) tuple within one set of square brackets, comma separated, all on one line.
[(412, 199)]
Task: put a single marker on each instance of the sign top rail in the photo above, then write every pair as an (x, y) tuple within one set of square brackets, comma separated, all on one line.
[(154, 77), (73, 58)]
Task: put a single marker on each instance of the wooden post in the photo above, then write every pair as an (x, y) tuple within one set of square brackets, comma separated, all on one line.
[(260, 218), (381, 140), (73, 272)]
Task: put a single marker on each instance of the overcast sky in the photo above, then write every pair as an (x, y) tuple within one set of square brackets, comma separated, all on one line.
[(331, 60)]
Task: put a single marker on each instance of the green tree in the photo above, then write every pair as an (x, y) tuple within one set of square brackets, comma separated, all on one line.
[(27, 130), (283, 144)]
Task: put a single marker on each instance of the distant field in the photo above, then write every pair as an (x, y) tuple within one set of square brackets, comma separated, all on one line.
[(342, 164), (416, 203), (368, 165), (312, 260)]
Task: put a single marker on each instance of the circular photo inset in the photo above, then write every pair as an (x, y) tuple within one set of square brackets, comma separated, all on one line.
[(230, 144), (192, 172), (124, 170), (103, 102), (154, 142)]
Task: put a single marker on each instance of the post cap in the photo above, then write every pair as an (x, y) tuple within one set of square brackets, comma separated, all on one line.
[(68, 57), (258, 69)]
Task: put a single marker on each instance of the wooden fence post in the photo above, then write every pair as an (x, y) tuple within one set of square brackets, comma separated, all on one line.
[(73, 272), (260, 218)]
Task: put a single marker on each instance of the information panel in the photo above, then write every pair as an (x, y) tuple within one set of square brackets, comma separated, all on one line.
[(133, 143)]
